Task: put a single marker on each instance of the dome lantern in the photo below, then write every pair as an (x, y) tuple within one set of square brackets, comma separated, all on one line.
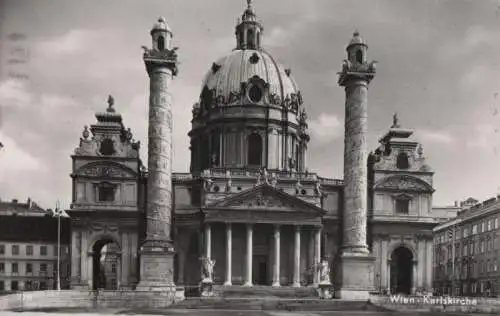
[(356, 50), (161, 34), (249, 30)]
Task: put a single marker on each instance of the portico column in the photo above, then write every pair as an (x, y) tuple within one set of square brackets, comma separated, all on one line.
[(388, 276), (296, 265), (208, 241), (229, 254), (414, 277), (317, 255), (276, 272), (248, 278)]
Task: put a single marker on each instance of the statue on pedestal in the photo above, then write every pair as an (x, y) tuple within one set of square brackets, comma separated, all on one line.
[(206, 285), (208, 269), (324, 272), (324, 280)]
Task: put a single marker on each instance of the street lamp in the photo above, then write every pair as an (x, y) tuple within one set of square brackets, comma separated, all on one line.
[(58, 212)]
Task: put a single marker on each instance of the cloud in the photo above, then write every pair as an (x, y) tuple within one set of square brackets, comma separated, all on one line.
[(13, 158), (483, 137), (326, 127), (434, 136), (13, 94), (73, 42)]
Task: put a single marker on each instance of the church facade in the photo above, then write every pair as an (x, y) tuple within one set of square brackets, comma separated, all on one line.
[(249, 202)]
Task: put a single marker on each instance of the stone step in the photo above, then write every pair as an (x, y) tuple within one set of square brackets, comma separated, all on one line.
[(310, 304)]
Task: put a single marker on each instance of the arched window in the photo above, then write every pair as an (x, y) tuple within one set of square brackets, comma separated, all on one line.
[(107, 147), (359, 56), (250, 39), (254, 149), (258, 39), (402, 161), (161, 43)]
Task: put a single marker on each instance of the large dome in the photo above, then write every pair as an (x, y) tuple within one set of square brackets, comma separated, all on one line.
[(250, 112), (229, 72)]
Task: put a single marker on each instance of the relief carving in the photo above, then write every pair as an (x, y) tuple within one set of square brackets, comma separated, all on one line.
[(103, 171), (404, 183)]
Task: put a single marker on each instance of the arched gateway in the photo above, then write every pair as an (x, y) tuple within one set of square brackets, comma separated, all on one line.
[(401, 270)]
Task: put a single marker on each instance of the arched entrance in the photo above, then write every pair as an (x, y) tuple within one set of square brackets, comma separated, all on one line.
[(401, 270), (106, 265)]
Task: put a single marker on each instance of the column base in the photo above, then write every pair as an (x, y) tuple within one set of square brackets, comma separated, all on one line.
[(248, 284), (296, 284), (228, 283), (157, 267), (276, 284), (357, 276)]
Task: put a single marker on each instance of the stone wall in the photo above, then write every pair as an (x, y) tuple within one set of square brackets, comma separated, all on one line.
[(88, 299)]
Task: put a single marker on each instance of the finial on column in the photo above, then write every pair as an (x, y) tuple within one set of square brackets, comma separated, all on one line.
[(111, 102), (249, 4), (395, 121)]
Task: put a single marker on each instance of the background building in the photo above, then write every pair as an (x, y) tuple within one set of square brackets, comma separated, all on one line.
[(28, 247), (467, 250)]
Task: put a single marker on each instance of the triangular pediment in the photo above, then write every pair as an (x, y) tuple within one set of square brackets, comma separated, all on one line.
[(266, 197)]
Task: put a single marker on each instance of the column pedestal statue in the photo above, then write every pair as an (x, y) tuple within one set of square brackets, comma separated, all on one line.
[(357, 264), (157, 251)]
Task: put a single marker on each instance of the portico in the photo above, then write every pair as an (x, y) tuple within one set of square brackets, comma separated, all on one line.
[(272, 239)]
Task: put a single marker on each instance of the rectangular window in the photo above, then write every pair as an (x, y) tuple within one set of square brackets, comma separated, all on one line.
[(2, 249), (14, 285), (43, 267), (113, 268), (2, 267), (484, 227), (481, 245), (29, 250), (474, 229), (106, 192), (29, 268), (55, 250), (465, 250), (489, 225), (495, 223), (15, 250), (43, 250), (402, 206), (2, 286), (15, 267), (43, 286)]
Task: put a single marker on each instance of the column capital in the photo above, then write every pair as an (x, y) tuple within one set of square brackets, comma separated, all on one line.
[(297, 227)]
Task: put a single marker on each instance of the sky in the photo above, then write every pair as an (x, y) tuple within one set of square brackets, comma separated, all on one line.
[(438, 68)]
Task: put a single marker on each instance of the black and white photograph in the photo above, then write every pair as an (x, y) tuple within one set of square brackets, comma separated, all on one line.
[(249, 157)]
